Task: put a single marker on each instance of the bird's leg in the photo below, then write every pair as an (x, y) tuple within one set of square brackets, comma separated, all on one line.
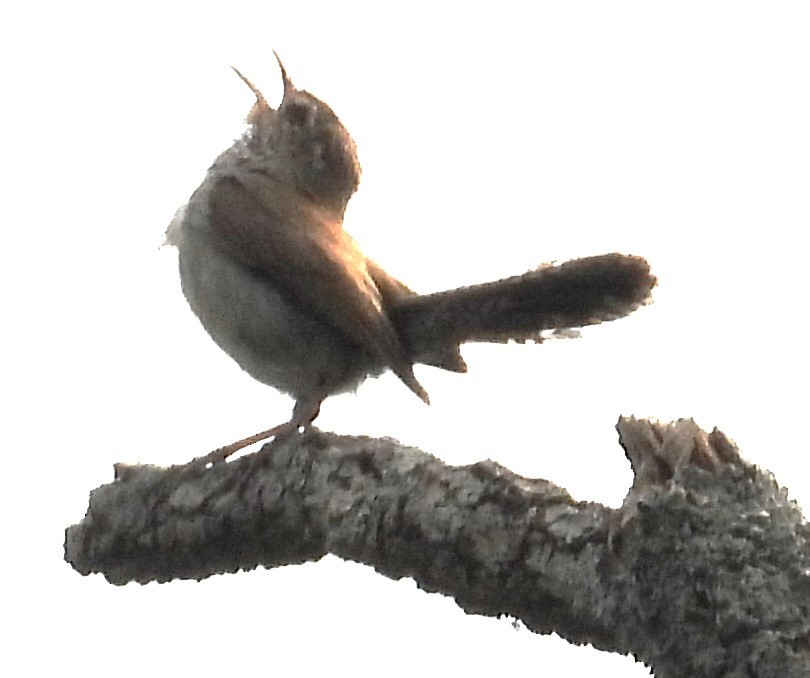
[(304, 412)]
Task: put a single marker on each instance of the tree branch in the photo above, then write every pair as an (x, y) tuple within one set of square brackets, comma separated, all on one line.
[(704, 571)]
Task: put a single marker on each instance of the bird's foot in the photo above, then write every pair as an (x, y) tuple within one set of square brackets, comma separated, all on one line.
[(222, 453)]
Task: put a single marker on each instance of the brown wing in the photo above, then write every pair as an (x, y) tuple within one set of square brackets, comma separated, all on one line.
[(393, 292), (303, 249)]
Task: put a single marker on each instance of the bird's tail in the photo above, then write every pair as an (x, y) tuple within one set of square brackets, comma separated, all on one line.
[(579, 292)]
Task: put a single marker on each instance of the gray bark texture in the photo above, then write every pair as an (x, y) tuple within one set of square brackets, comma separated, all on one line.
[(704, 570)]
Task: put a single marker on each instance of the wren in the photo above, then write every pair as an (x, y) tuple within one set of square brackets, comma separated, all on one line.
[(283, 289)]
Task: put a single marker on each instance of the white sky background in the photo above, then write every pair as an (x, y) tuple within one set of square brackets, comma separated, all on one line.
[(493, 138)]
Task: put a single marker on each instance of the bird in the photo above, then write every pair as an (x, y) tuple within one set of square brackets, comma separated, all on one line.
[(281, 287)]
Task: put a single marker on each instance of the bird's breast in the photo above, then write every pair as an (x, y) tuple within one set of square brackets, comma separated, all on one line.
[(266, 332)]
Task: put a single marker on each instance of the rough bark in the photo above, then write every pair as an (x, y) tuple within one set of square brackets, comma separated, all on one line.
[(704, 571)]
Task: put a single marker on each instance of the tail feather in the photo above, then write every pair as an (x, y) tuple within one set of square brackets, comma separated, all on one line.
[(580, 292)]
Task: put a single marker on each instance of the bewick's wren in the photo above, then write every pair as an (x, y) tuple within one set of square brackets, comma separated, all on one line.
[(285, 291)]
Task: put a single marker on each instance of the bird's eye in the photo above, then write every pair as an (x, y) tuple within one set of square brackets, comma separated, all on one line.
[(298, 113)]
